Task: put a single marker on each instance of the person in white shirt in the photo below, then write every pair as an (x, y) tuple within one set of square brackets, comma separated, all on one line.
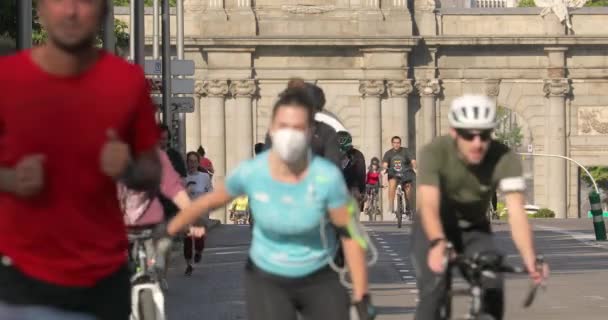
[(197, 183)]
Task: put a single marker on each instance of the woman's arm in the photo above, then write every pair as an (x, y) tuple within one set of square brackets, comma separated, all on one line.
[(354, 254), (204, 204)]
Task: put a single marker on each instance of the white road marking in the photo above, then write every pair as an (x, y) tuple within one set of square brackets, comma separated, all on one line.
[(393, 254), (404, 270), (397, 259), (228, 252)]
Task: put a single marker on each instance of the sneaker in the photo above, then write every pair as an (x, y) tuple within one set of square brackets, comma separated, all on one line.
[(197, 257), (188, 270)]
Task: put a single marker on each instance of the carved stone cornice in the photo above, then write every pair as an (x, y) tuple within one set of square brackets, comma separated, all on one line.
[(492, 87), (243, 88), (215, 88), (400, 88), (428, 87), (371, 88), (556, 87), (307, 9), (424, 5)]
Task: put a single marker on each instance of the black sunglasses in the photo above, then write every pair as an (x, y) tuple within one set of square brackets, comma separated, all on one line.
[(483, 135)]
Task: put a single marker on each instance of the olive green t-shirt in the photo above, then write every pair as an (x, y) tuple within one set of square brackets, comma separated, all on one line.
[(466, 190)]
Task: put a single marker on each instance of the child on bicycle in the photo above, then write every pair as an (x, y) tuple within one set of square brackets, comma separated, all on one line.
[(373, 178)]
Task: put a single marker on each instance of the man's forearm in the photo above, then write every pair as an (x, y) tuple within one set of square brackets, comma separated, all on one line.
[(431, 222), (144, 173), (428, 197), (7, 180), (355, 259), (522, 235)]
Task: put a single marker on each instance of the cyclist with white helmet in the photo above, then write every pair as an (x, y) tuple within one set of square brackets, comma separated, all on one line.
[(457, 176)]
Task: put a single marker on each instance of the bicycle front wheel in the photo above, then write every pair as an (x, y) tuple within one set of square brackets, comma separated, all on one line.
[(147, 306), (399, 211)]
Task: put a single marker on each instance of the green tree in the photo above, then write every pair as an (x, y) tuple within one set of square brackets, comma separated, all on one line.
[(599, 174), (8, 23), (508, 131), (526, 3)]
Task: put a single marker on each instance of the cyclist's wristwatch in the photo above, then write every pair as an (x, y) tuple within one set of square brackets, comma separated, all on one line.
[(435, 242)]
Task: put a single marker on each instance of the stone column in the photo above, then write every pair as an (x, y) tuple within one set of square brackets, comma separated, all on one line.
[(216, 91), (428, 89), (398, 91), (193, 120), (555, 126), (372, 90), (243, 91)]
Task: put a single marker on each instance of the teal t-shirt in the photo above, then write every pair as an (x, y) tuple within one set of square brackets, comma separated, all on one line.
[(286, 234)]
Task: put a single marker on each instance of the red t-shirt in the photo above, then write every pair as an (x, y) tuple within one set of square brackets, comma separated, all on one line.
[(73, 232), (373, 177)]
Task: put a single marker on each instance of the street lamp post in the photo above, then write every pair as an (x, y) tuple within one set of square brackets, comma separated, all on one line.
[(594, 197), (24, 24)]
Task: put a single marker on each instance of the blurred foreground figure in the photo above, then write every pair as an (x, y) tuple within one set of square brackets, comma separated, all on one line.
[(74, 121)]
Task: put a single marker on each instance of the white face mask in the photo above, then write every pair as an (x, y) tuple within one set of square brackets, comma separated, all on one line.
[(291, 145)]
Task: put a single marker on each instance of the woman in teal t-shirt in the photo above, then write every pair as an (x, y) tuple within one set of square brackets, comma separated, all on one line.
[(291, 193)]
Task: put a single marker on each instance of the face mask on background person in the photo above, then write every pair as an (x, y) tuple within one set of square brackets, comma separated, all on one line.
[(290, 144)]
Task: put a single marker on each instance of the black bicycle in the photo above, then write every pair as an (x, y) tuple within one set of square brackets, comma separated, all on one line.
[(475, 269)]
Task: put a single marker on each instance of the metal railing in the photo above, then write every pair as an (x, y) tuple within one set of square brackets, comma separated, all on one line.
[(494, 3)]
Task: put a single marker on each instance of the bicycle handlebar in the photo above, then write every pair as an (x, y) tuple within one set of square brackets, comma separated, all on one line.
[(492, 261)]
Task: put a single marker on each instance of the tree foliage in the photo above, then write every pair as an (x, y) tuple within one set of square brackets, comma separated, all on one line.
[(8, 23), (508, 132), (599, 174)]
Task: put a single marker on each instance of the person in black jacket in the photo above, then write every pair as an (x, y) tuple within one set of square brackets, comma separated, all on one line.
[(174, 156), (353, 167), (324, 141)]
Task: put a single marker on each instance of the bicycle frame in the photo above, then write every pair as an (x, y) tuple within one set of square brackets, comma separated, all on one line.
[(146, 276), (484, 264)]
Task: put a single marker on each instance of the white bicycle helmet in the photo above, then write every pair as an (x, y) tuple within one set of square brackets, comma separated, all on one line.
[(472, 112)]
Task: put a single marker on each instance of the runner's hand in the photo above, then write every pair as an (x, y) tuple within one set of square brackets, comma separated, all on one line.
[(115, 155), (29, 176), (197, 232)]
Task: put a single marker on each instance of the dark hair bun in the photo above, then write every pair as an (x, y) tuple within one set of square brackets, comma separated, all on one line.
[(296, 83)]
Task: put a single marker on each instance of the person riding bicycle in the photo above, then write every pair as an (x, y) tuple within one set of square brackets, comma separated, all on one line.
[(458, 175), (143, 209), (300, 203), (239, 209), (353, 167), (372, 181), (399, 167)]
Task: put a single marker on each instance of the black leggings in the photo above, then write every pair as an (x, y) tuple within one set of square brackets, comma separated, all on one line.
[(318, 296)]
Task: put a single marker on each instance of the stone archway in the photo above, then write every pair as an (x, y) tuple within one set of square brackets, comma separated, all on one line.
[(526, 105)]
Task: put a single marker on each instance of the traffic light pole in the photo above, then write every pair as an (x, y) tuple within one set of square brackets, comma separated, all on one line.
[(166, 64), (24, 24), (109, 40), (138, 31), (181, 131)]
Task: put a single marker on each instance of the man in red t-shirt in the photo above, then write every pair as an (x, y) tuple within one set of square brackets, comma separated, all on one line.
[(74, 121)]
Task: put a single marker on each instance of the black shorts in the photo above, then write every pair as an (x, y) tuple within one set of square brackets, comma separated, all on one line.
[(109, 299), (407, 177)]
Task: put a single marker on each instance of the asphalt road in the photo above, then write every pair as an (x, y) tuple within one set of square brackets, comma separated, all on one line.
[(577, 288)]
